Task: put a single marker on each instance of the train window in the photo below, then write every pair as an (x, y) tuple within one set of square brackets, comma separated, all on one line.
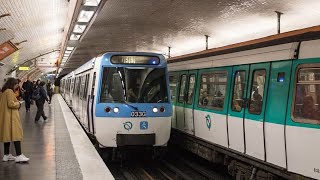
[(82, 87), (135, 85), (79, 86), (257, 91), (182, 88), (93, 84), (213, 89), (72, 85), (86, 86), (238, 91), (173, 87), (307, 94), (192, 80)]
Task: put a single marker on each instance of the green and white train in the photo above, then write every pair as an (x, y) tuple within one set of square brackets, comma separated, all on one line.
[(257, 110)]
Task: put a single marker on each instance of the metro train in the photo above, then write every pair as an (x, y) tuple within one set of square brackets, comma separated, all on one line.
[(122, 99), (253, 106)]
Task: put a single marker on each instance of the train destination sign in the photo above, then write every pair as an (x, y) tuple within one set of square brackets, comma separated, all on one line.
[(146, 60)]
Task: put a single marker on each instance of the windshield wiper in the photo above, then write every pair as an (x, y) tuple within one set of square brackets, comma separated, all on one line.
[(126, 103), (133, 107)]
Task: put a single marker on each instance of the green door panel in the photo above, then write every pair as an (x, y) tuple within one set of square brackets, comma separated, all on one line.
[(174, 87), (256, 108), (191, 98), (235, 100), (278, 92), (182, 87)]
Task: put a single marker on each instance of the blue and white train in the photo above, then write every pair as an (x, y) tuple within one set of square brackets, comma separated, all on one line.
[(122, 99)]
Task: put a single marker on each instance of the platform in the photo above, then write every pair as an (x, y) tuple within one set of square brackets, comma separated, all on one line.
[(58, 149)]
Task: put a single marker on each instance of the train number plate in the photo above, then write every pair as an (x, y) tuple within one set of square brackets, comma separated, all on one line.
[(138, 114)]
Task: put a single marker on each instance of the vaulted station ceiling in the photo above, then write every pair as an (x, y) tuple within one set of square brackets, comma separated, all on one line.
[(142, 25), (36, 27), (154, 25)]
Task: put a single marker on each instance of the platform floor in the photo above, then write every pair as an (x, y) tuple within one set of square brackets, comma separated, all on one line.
[(50, 147)]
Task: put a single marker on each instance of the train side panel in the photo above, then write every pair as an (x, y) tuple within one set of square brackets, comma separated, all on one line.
[(303, 118)]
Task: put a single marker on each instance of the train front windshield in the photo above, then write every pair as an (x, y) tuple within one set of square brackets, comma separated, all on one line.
[(134, 85)]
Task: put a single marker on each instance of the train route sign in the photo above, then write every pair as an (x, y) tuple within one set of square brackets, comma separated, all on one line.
[(208, 121), (127, 125)]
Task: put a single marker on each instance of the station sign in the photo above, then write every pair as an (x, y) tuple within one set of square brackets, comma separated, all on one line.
[(6, 49), (24, 68)]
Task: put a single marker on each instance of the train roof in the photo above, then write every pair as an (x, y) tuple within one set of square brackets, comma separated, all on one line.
[(306, 34)]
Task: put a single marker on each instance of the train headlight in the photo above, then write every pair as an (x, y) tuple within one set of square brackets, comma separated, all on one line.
[(107, 109), (155, 110), (162, 109), (116, 110)]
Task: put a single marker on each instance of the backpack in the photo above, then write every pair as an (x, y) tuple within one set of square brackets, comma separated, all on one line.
[(36, 94)]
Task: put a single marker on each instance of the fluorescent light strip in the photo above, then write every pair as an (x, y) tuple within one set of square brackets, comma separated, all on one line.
[(70, 48), (92, 2), (79, 28), (85, 16), (75, 37)]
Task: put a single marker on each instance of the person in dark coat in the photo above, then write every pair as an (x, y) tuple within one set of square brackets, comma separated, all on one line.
[(40, 102), (27, 89), (49, 91)]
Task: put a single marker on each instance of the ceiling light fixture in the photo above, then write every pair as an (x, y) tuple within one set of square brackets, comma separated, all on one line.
[(70, 48), (75, 37), (85, 16), (79, 28), (92, 2)]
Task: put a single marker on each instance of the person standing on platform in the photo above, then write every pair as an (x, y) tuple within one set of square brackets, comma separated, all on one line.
[(49, 91), (10, 124), (27, 89), (40, 99)]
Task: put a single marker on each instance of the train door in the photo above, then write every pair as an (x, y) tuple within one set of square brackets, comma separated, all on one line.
[(85, 101), (78, 90), (90, 106), (275, 114), (255, 112), (303, 118), (173, 79), (237, 108), (81, 97), (71, 90), (185, 109)]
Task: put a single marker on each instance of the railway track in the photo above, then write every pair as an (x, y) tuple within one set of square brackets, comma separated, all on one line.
[(182, 166)]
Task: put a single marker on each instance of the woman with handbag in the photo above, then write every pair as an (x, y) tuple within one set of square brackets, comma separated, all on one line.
[(10, 124)]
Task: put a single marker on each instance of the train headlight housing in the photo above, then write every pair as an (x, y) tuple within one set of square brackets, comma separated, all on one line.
[(107, 109), (155, 110), (116, 110), (162, 109)]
